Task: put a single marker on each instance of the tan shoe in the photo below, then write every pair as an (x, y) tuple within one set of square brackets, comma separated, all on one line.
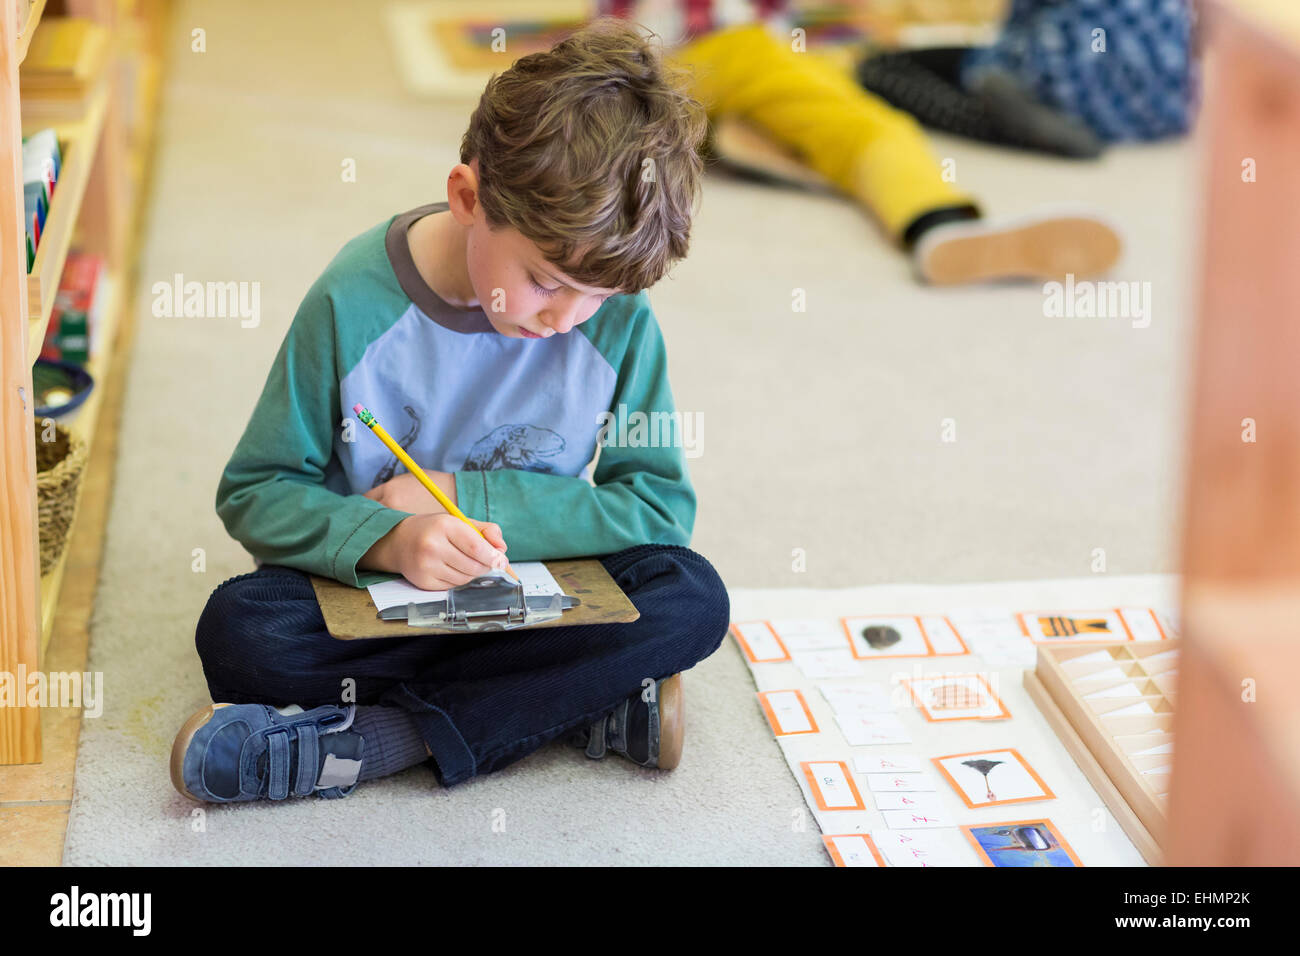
[(1044, 247), (672, 722)]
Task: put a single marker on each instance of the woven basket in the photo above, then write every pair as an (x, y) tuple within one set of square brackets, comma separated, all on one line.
[(59, 467)]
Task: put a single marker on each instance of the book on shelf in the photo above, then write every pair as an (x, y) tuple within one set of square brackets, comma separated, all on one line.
[(42, 163), (65, 60), (78, 309)]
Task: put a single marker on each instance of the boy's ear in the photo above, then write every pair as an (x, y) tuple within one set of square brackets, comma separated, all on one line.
[(462, 193)]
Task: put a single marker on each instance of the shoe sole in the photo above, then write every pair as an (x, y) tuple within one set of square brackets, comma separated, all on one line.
[(672, 722), (182, 745), (1046, 249)]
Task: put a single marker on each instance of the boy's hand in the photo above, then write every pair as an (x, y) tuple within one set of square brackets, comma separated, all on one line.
[(437, 551), (405, 493)]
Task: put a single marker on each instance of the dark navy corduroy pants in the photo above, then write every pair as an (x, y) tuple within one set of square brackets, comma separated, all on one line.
[(481, 701)]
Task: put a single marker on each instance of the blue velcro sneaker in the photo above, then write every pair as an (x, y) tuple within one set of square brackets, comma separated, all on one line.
[(227, 753)]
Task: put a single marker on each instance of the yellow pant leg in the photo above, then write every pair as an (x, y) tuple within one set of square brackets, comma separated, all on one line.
[(872, 151)]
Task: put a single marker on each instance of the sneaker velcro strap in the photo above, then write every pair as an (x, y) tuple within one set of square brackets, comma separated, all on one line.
[(278, 764), (308, 755), (617, 724), (596, 743)]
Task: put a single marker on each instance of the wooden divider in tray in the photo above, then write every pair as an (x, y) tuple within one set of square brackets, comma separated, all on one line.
[(1112, 705)]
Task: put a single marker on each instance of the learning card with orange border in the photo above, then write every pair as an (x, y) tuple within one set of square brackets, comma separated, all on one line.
[(945, 640), (1080, 627), (1065, 627), (1143, 624), (899, 635), (832, 785), (853, 849), (1021, 843), (956, 697), (759, 642), (787, 712), (993, 778)]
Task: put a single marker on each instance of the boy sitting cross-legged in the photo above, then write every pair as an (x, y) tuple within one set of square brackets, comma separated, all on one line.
[(492, 334)]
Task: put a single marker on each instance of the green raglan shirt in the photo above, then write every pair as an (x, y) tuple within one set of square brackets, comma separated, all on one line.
[(516, 420)]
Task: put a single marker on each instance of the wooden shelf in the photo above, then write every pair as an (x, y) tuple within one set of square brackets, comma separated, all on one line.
[(148, 87), (85, 421), (51, 584), (82, 137), (94, 207), (25, 34), (82, 424), (1142, 839)]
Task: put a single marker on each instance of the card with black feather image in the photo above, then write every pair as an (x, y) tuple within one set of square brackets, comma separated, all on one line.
[(991, 778)]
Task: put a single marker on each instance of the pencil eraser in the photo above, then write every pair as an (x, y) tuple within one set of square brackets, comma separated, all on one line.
[(357, 408)]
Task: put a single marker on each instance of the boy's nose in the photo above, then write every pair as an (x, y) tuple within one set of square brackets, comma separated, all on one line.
[(562, 320)]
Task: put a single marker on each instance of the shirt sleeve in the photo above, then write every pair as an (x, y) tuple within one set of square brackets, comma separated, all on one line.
[(272, 496), (640, 491)]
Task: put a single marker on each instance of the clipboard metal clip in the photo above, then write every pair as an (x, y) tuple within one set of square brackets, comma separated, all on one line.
[(487, 603)]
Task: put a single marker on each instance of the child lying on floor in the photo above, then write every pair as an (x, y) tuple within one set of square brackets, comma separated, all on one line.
[(742, 64)]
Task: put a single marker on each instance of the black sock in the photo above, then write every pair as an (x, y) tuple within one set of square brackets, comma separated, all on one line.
[(936, 217), (392, 741)]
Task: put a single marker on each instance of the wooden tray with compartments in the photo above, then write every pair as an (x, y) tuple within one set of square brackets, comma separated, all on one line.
[(1112, 705)]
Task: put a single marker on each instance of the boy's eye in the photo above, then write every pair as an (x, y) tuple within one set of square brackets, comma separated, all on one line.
[(541, 289)]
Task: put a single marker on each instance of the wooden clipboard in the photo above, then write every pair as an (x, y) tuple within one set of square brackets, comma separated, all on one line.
[(350, 614)]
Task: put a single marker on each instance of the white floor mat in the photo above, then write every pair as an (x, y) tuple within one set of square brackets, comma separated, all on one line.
[(842, 797)]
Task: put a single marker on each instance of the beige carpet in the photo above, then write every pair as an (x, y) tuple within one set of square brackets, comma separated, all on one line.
[(822, 433)]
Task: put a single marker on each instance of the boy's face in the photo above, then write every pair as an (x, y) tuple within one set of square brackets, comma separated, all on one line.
[(523, 294)]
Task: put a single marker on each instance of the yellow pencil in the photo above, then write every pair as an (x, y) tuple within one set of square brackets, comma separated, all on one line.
[(372, 423)]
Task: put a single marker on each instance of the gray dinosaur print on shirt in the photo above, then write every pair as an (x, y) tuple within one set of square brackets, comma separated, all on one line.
[(523, 447)]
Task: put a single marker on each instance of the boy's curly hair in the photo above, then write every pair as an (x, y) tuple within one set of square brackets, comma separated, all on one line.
[(591, 151)]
